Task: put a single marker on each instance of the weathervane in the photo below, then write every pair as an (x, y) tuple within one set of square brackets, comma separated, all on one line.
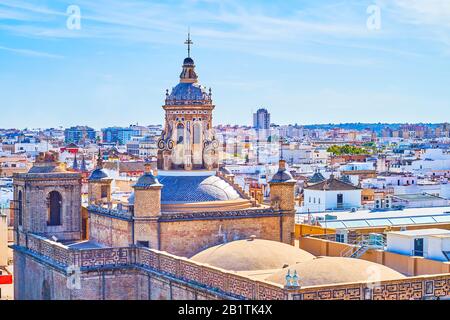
[(189, 42)]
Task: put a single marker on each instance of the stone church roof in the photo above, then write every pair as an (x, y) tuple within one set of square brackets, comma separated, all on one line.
[(335, 270), (252, 254), (316, 178)]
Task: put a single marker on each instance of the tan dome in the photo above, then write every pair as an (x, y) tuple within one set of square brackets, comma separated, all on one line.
[(332, 270), (256, 254)]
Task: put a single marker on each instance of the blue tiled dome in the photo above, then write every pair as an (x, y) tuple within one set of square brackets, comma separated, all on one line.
[(188, 92), (98, 174), (189, 189), (189, 61), (147, 180)]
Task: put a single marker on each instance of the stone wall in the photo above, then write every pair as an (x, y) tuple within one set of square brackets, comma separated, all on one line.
[(141, 273), (416, 288), (3, 240), (410, 266), (186, 238), (35, 191), (110, 231)]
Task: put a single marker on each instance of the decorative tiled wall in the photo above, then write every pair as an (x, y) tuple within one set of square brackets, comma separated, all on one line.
[(232, 284)]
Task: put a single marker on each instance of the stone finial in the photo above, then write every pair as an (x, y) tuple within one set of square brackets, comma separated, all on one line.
[(288, 278), (295, 280), (100, 159), (147, 166), (282, 165), (292, 281)]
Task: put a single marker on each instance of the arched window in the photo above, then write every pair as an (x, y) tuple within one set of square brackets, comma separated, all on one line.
[(19, 207), (54, 201), (180, 133), (197, 132)]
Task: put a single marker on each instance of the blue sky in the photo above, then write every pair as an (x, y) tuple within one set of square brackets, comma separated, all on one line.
[(306, 61)]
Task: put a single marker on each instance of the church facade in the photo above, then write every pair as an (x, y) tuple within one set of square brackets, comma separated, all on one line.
[(187, 231), (182, 205)]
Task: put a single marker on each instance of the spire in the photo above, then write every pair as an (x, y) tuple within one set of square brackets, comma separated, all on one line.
[(83, 167), (100, 160), (188, 74), (188, 42), (75, 163)]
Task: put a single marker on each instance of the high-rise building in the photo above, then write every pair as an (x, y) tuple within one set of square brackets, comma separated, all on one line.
[(79, 134), (261, 119), (119, 135)]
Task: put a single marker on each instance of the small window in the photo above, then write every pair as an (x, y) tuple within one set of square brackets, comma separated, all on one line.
[(144, 244), (104, 191), (19, 207), (340, 237), (54, 203)]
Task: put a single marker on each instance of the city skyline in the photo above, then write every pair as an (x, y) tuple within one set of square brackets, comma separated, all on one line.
[(306, 63)]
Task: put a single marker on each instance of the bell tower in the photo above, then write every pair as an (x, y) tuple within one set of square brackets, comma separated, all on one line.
[(188, 141), (48, 200)]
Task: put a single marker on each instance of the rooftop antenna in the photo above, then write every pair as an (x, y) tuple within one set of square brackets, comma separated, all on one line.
[(188, 42)]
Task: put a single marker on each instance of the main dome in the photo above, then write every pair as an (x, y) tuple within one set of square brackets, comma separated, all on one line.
[(195, 188), (187, 93)]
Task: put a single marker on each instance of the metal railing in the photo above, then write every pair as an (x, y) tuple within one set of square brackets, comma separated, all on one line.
[(363, 243)]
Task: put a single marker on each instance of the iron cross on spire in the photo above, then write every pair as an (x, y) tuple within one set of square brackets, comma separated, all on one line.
[(189, 42)]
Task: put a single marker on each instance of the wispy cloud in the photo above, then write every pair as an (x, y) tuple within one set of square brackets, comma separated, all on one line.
[(31, 53), (420, 12), (247, 27)]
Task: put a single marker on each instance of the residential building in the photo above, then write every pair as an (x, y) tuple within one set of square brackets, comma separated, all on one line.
[(79, 135), (261, 119)]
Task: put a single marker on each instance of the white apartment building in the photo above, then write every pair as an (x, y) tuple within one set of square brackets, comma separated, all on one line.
[(428, 243)]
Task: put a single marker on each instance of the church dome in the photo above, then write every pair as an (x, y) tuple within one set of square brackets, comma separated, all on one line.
[(189, 61), (282, 175), (252, 254), (147, 180), (195, 188), (98, 174), (187, 93), (334, 270)]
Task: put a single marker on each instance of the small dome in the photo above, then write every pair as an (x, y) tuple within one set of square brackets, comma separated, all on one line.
[(316, 178), (98, 174), (252, 254), (333, 270), (282, 176), (147, 180), (189, 61)]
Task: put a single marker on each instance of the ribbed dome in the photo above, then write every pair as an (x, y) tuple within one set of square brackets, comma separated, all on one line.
[(282, 175), (190, 189), (249, 255), (333, 270), (147, 180), (188, 92), (188, 61), (98, 174)]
